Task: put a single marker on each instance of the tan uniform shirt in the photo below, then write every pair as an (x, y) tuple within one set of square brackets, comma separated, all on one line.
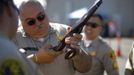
[(60, 66), (103, 58), (11, 61)]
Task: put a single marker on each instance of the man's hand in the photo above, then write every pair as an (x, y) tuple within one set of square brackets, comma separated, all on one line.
[(45, 55), (73, 41)]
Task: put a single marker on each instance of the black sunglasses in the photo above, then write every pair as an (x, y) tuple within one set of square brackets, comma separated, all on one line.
[(32, 21), (93, 25)]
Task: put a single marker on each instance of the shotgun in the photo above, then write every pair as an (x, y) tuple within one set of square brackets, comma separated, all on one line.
[(77, 29)]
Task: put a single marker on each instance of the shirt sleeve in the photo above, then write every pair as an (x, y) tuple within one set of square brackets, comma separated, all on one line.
[(110, 63)]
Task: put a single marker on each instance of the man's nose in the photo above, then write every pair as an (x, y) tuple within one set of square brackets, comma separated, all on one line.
[(89, 27), (37, 22)]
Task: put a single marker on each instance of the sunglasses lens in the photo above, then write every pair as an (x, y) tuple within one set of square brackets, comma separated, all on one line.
[(93, 25), (31, 22), (41, 17)]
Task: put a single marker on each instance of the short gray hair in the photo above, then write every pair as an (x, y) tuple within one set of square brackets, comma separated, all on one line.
[(29, 1)]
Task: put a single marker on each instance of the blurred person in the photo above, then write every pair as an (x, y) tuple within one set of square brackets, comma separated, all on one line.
[(38, 33), (104, 58), (129, 69), (105, 31), (11, 61), (112, 29)]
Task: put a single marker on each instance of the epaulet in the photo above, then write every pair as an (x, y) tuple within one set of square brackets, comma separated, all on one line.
[(60, 30), (105, 45), (58, 25), (59, 37), (101, 40)]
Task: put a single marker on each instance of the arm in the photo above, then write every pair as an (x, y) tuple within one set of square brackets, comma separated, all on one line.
[(44, 55), (110, 63)]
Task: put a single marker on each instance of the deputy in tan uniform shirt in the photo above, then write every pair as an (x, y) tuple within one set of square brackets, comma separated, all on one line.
[(104, 58), (11, 61), (37, 32)]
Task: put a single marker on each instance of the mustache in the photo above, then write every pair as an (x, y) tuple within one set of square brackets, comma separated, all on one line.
[(38, 28)]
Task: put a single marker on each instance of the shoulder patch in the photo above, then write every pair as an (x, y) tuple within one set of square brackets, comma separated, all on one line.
[(11, 67), (112, 55)]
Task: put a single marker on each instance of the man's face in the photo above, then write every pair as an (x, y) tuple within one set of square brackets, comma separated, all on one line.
[(92, 29), (34, 20)]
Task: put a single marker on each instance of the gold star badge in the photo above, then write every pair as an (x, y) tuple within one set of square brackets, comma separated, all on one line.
[(112, 55)]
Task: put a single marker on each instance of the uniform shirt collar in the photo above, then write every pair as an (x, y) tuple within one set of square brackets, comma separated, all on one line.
[(88, 43)]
